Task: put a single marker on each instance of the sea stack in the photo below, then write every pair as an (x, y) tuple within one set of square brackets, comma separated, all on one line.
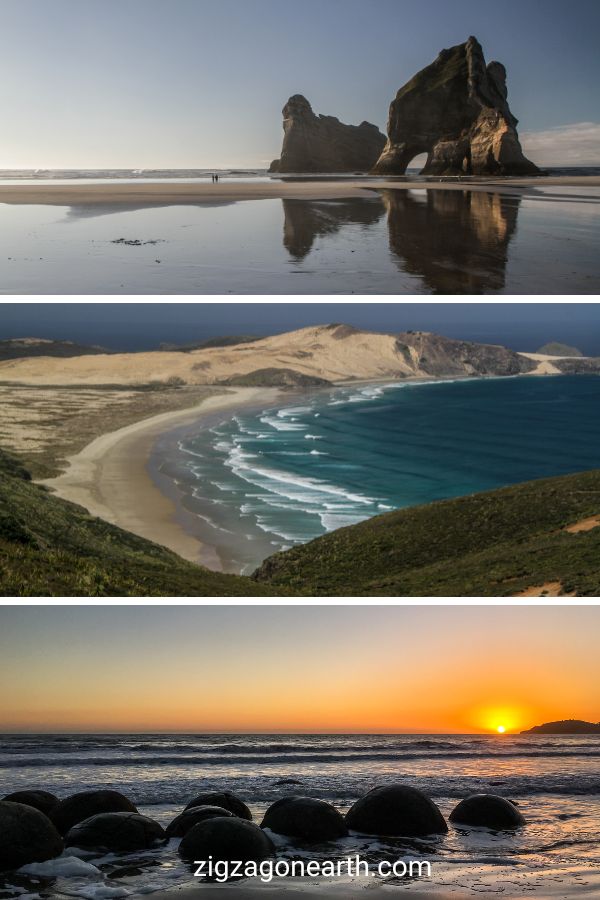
[(313, 143), (456, 111)]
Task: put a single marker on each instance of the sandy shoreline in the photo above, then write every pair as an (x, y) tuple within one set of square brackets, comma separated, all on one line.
[(110, 476), (224, 192), (287, 888), (113, 477)]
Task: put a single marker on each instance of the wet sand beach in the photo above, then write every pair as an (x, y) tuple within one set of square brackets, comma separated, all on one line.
[(179, 193), (307, 890), (310, 889), (329, 235)]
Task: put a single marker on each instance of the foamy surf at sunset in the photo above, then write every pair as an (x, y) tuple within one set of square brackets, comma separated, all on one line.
[(554, 780)]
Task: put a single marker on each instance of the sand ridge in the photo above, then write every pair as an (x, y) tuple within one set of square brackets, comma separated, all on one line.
[(333, 352)]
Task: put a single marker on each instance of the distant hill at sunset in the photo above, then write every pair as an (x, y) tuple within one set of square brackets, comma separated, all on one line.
[(565, 726)]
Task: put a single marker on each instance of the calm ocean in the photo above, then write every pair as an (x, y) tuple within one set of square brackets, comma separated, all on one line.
[(269, 479)]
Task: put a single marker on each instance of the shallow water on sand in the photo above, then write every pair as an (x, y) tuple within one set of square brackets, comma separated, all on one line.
[(539, 240), (554, 781), (270, 479)]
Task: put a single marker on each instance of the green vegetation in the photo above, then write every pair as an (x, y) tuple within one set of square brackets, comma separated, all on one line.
[(285, 378), (49, 547), (227, 341), (451, 64), (495, 543), (17, 348), (555, 348)]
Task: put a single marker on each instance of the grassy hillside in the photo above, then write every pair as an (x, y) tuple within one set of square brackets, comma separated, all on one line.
[(49, 547), (17, 348), (494, 543)]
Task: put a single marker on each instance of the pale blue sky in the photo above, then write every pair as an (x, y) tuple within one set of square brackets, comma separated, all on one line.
[(178, 83)]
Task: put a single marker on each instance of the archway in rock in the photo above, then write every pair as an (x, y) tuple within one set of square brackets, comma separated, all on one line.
[(404, 155), (417, 163)]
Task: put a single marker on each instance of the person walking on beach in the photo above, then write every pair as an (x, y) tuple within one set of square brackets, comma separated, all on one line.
[(217, 178), (213, 178)]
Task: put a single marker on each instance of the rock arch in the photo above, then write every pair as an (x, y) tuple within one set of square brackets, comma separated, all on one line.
[(456, 111)]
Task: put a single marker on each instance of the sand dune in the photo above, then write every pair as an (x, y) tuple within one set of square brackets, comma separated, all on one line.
[(336, 353)]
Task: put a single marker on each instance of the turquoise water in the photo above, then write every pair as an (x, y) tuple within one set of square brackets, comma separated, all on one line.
[(268, 479)]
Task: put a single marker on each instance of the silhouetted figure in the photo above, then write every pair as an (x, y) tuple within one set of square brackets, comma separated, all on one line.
[(217, 178)]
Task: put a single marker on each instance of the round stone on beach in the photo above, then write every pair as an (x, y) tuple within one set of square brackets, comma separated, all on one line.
[(116, 832), (226, 800), (305, 818), (226, 839), (190, 817), (396, 811), (26, 836), (487, 811), (44, 801), (83, 805)]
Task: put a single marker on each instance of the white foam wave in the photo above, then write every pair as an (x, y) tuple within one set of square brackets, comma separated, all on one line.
[(293, 411), (333, 521), (281, 425), (62, 867), (287, 484)]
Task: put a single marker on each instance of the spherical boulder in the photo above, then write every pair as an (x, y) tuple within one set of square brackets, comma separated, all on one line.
[(116, 831), (226, 800), (190, 817), (42, 800), (305, 818), (396, 811), (77, 807), (227, 839), (489, 811), (26, 836)]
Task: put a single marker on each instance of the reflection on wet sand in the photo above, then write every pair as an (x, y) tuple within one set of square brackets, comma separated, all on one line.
[(305, 220), (457, 241), (96, 210)]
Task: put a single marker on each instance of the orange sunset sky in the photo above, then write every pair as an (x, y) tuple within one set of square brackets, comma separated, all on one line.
[(230, 669)]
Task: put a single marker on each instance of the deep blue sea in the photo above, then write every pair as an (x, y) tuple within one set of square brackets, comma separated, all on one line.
[(268, 479)]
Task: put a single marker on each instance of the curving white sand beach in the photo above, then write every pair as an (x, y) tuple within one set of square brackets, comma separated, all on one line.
[(110, 478)]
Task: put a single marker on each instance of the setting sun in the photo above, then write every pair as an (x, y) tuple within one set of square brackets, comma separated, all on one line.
[(500, 729)]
